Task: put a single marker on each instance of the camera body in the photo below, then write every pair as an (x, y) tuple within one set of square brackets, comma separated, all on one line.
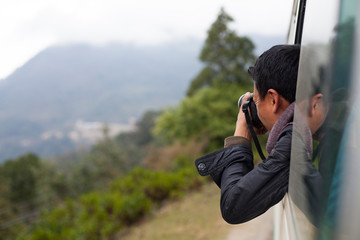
[(250, 108)]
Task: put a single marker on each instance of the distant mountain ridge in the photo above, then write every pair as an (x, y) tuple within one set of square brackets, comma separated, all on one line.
[(42, 102), (112, 83), (90, 77)]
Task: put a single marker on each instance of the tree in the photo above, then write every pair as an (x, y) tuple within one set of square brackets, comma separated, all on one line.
[(22, 179), (142, 135), (209, 113), (226, 56)]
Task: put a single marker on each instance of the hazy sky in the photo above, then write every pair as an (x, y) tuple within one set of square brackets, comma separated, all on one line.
[(27, 27)]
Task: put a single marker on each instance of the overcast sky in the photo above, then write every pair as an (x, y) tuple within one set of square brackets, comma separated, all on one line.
[(27, 27)]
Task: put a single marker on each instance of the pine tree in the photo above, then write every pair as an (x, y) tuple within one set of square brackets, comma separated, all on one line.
[(226, 56)]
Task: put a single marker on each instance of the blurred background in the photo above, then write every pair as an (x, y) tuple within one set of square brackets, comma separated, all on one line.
[(104, 105)]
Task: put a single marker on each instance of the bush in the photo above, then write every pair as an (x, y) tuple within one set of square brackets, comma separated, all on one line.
[(101, 215), (159, 185)]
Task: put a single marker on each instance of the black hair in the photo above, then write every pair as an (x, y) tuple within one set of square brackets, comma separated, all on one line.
[(277, 68)]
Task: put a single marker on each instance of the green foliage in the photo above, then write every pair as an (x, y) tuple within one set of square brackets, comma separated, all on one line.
[(142, 135), (20, 175), (94, 216), (104, 214), (101, 215), (56, 224), (95, 211), (107, 159), (211, 112), (79, 173), (133, 145), (226, 56), (157, 185)]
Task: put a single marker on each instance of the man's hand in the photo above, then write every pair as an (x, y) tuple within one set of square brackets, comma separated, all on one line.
[(242, 129)]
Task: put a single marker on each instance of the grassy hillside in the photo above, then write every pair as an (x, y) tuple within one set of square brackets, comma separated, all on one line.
[(197, 216)]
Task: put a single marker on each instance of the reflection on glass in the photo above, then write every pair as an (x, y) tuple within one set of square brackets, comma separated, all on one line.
[(321, 117)]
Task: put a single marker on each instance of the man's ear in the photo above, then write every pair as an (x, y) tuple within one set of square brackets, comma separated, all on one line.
[(274, 97), (315, 103)]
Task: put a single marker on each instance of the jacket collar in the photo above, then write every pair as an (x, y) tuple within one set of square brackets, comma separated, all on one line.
[(284, 120)]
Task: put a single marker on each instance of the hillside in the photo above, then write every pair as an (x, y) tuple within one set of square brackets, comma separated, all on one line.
[(190, 218), (185, 219), (41, 102)]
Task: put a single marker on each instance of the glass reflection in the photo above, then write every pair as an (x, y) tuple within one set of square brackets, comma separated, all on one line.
[(321, 116)]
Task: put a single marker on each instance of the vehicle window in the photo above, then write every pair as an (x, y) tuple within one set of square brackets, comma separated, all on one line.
[(293, 22), (321, 123)]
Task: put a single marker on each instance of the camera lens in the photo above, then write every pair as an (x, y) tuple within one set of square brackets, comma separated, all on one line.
[(252, 110), (240, 100)]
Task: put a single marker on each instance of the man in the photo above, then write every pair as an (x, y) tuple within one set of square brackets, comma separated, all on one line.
[(248, 191)]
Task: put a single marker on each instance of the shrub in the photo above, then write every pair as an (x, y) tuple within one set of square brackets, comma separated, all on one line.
[(101, 215)]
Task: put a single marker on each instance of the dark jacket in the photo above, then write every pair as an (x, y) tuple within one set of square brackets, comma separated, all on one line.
[(248, 191)]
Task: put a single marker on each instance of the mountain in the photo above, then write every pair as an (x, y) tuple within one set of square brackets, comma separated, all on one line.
[(61, 97), (42, 102)]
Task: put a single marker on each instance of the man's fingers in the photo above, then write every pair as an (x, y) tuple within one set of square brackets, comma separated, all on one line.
[(246, 97)]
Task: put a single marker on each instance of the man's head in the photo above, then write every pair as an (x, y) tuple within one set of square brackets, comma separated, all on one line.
[(312, 95), (277, 68), (275, 77), (314, 111)]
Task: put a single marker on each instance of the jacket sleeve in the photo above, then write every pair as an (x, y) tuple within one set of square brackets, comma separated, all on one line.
[(248, 191)]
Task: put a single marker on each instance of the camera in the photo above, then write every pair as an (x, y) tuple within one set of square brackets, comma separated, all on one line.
[(249, 107), (252, 120)]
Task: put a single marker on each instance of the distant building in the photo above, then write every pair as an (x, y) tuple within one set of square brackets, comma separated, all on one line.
[(91, 132)]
